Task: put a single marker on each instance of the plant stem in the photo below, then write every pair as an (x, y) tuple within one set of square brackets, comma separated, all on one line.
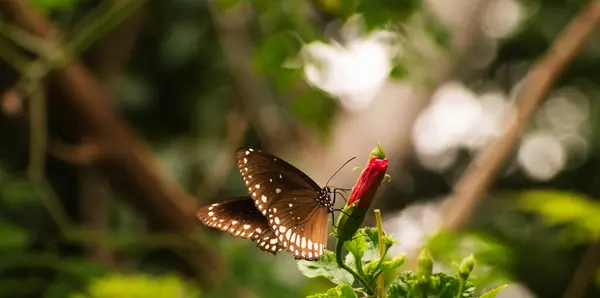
[(381, 250), (461, 288), (338, 258)]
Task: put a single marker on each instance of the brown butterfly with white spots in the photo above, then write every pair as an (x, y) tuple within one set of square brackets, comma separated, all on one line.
[(285, 208)]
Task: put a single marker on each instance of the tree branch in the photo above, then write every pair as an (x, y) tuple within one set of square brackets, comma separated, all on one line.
[(480, 173)]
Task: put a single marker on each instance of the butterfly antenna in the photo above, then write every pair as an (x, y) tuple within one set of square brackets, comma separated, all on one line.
[(351, 159)]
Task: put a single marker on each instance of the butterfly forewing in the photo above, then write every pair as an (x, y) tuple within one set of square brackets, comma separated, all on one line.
[(239, 217), (295, 206)]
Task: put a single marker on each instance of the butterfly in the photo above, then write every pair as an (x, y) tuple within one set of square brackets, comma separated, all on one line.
[(285, 208)]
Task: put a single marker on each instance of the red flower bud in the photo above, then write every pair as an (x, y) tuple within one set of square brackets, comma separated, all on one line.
[(368, 182)]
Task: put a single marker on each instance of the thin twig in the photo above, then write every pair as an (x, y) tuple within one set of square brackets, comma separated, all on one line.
[(478, 177), (103, 23), (254, 91), (585, 272), (37, 134), (236, 130), (51, 55), (11, 55)]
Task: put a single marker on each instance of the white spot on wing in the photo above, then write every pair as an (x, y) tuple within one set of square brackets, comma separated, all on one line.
[(263, 198), (277, 190)]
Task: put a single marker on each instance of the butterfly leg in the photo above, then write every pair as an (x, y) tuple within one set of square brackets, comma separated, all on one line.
[(342, 211), (341, 195), (341, 189)]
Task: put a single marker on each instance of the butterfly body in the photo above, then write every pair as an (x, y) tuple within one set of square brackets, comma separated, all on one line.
[(287, 203)]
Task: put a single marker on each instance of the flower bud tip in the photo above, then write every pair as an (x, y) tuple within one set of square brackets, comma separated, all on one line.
[(378, 152), (425, 262), (466, 266)]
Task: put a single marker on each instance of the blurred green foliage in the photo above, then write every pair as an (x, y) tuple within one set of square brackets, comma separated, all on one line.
[(139, 286), (577, 215), (494, 259)]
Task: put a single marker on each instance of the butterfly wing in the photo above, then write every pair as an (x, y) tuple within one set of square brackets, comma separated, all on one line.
[(299, 224), (239, 217), (292, 202)]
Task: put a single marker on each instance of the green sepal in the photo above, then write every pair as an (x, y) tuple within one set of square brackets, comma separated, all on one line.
[(350, 220), (377, 152)]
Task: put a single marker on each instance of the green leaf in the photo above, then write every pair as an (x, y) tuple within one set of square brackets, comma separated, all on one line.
[(403, 285), (393, 263), (493, 292), (372, 240), (578, 214), (357, 245), (409, 284), (327, 267), (49, 6), (12, 236), (379, 13), (18, 192), (341, 291), (374, 268), (274, 50), (399, 72), (315, 109)]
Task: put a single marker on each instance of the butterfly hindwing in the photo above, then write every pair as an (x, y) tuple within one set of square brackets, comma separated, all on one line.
[(295, 206), (239, 217), (300, 225)]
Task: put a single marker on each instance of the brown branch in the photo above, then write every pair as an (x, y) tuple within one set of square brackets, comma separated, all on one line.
[(478, 177), (83, 109), (110, 55), (83, 154)]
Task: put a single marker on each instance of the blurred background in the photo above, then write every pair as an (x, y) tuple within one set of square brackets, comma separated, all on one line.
[(118, 118)]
